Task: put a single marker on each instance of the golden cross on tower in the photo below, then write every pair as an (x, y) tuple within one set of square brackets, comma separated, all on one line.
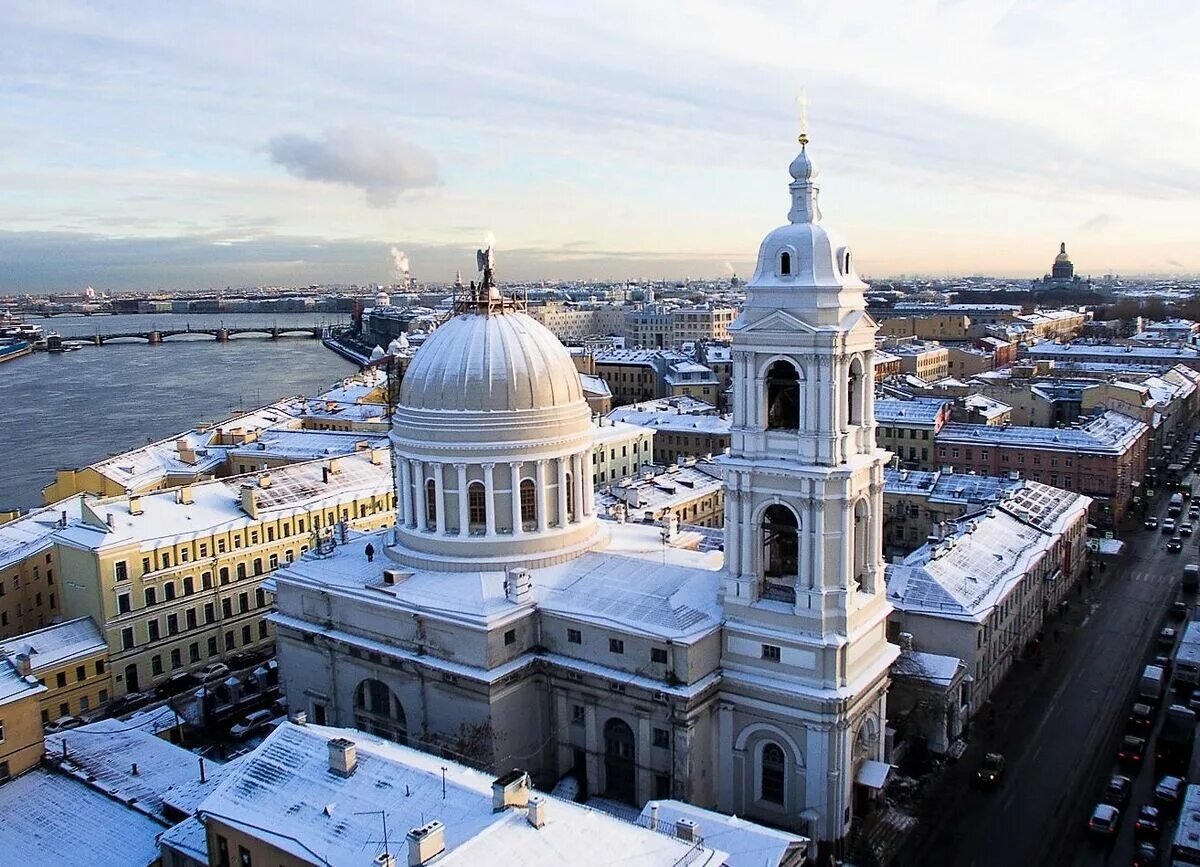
[(802, 109)]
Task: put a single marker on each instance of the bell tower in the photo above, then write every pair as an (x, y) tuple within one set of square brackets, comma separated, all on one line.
[(805, 656)]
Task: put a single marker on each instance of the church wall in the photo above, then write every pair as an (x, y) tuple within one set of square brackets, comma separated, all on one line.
[(522, 725)]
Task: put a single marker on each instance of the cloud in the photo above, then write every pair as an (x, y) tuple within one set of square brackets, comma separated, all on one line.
[(1096, 223), (382, 166)]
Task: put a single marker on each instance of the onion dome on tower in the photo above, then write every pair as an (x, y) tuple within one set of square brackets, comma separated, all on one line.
[(493, 442)]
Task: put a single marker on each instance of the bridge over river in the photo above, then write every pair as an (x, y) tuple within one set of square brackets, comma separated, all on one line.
[(220, 334)]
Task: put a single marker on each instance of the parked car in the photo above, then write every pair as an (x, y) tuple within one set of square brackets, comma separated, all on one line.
[(1166, 637), (1185, 529), (213, 671), (1168, 794), (1194, 512), (1179, 610), (62, 724), (991, 769), (1132, 750), (1104, 821), (176, 683), (129, 702), (1145, 854), (1116, 793), (1175, 544), (1141, 717), (1152, 523), (1168, 525), (1148, 823), (1193, 702), (251, 724)]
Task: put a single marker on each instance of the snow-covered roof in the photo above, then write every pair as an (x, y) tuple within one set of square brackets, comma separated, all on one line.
[(14, 687), (679, 405), (52, 819), (33, 532), (57, 644), (921, 410), (285, 794), (594, 385), (217, 505), (747, 843), (189, 838), (1109, 433), (935, 668), (618, 431), (673, 421), (1050, 349), (987, 407), (307, 445), (654, 492)]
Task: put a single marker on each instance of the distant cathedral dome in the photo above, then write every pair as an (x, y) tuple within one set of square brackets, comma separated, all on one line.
[(1062, 269)]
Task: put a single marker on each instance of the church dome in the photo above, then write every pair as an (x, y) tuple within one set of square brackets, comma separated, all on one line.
[(479, 362)]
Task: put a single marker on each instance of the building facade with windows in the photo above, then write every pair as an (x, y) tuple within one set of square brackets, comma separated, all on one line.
[(21, 744), (504, 620), (174, 579), (70, 659)]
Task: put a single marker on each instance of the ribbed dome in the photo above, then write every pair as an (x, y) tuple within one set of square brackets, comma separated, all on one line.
[(479, 362)]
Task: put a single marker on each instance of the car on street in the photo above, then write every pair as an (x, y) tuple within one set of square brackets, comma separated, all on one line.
[(175, 684), (1116, 793), (1185, 529), (991, 769), (213, 671), (1152, 523), (1194, 701), (1179, 610), (1166, 637), (62, 724), (1103, 822), (1148, 824), (1169, 792), (1194, 513), (1167, 525), (1175, 544), (1141, 717), (1145, 854), (1132, 751), (250, 724), (131, 701)]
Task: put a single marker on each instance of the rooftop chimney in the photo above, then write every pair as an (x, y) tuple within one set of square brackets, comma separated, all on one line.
[(653, 805), (135, 505), (343, 757), (426, 843), (518, 584), (110, 521), (686, 829), (511, 790), (537, 811), (264, 481), (299, 718), (384, 859), (23, 665), (250, 501)]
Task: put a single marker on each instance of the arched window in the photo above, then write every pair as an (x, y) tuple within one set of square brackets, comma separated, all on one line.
[(619, 761), (772, 774), (570, 498), (862, 532), (378, 711), (846, 269), (785, 263), (528, 504), (783, 397), (780, 542), (477, 507), (430, 504), (854, 392)]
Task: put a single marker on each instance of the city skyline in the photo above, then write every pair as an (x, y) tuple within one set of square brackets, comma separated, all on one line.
[(150, 147)]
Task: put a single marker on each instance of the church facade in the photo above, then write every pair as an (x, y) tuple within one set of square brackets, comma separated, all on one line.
[(507, 624)]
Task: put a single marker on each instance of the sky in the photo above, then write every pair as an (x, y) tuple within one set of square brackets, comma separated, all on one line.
[(188, 145)]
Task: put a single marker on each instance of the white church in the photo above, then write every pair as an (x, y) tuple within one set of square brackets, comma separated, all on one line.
[(504, 622)]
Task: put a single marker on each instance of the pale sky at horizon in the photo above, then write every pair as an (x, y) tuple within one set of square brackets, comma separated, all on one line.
[(192, 145)]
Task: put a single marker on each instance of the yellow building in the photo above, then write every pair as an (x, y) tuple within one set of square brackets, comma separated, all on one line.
[(175, 578), (29, 594), (71, 660), (21, 744), (944, 326)]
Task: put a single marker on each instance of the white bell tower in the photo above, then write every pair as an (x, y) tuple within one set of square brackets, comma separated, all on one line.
[(805, 657)]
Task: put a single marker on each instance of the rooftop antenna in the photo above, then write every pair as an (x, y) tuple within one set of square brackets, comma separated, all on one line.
[(385, 841)]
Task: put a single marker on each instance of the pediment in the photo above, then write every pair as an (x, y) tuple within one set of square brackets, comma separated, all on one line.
[(779, 320)]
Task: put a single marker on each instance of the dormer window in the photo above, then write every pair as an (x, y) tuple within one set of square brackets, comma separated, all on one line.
[(785, 264)]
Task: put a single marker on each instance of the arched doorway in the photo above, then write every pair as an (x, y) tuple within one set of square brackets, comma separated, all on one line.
[(783, 397), (620, 779), (379, 712)]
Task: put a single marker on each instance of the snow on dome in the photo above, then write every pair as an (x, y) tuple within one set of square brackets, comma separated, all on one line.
[(479, 362), (377, 353), (803, 168), (396, 347)]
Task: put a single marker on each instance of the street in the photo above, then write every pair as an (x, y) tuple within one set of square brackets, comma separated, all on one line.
[(1058, 721)]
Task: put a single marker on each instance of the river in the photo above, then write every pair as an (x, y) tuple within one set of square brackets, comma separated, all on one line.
[(73, 409)]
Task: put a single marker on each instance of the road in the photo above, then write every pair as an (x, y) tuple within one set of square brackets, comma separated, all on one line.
[(1059, 721)]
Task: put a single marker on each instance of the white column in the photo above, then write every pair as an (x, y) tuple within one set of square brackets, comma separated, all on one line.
[(562, 492), (579, 482), (514, 470), (749, 536), (586, 491), (405, 485), (464, 518), (733, 535), (539, 489), (848, 534), (819, 543), (805, 553), (417, 471), (489, 499), (439, 489)]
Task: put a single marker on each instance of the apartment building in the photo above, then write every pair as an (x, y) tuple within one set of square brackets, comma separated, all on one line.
[(620, 450), (927, 361), (574, 323), (679, 434), (29, 577), (70, 659), (909, 428), (692, 492), (175, 578)]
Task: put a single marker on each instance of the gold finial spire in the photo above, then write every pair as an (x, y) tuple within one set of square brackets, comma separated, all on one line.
[(802, 108)]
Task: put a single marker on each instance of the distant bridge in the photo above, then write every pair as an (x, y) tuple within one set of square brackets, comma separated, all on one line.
[(221, 335)]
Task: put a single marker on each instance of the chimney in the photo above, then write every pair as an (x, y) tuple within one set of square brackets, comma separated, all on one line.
[(537, 811), (653, 805), (426, 843), (687, 830), (385, 859), (264, 481), (135, 505), (23, 665), (518, 584), (325, 475), (299, 718), (250, 501), (184, 495), (181, 445), (343, 757), (906, 641), (511, 790), (110, 521), (62, 521), (377, 456)]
